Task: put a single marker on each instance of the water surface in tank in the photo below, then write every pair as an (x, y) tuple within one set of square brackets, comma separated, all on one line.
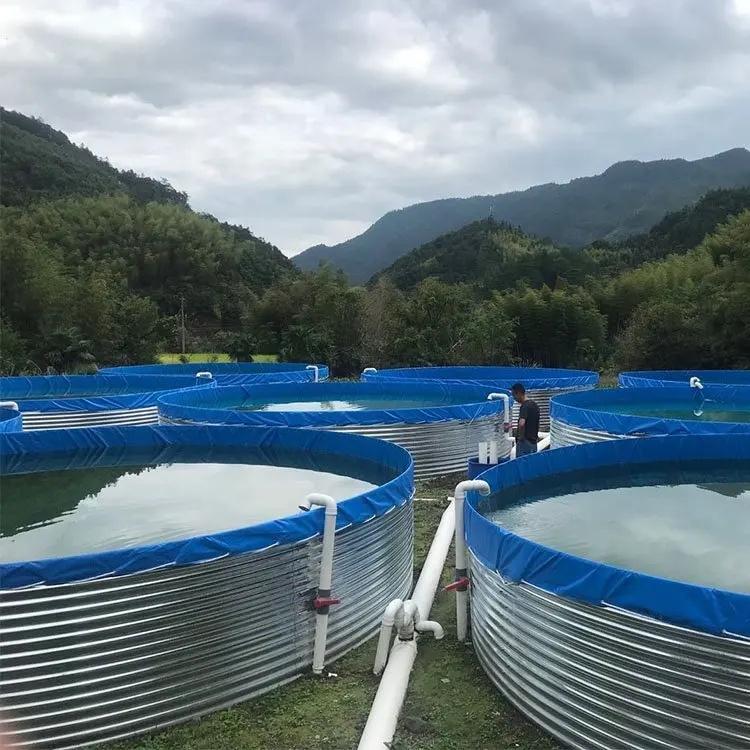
[(55, 511), (703, 412), (688, 525), (359, 404)]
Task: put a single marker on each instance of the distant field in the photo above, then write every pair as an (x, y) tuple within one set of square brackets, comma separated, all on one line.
[(171, 358)]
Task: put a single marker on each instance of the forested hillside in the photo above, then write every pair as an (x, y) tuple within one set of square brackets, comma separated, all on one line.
[(496, 256), (628, 198), (97, 262)]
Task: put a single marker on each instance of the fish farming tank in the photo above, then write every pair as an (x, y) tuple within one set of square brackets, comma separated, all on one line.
[(440, 424), (233, 373), (610, 596), (66, 401), (541, 383), (606, 414), (150, 575), (672, 378)]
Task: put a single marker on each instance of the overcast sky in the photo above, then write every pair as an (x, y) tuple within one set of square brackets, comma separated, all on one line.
[(306, 120)]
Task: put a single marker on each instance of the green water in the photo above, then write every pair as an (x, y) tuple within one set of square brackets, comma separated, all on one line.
[(694, 532), (361, 404), (62, 513), (710, 414)]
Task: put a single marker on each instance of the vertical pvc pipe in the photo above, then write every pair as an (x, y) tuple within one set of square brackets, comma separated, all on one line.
[(324, 600), (316, 372), (461, 584)]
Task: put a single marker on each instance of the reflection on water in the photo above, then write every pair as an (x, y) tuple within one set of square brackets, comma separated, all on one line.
[(690, 531), (707, 413), (58, 513)]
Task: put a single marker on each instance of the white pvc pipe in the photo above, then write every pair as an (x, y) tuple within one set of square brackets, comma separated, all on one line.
[(316, 372), (695, 382), (392, 611), (369, 369), (506, 404), (544, 443), (204, 375), (462, 594), (9, 405), (326, 575), (381, 723)]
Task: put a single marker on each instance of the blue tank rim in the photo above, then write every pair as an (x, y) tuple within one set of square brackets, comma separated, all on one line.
[(533, 378), (517, 559), (571, 408), (193, 407), (10, 420), (37, 392), (216, 368), (285, 531), (670, 378)]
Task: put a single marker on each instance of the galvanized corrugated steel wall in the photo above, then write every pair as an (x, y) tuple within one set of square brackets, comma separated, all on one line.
[(90, 662), (563, 434), (438, 448), (542, 399), (55, 420), (599, 678)]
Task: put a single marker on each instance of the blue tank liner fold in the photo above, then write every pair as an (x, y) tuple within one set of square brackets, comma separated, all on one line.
[(671, 378), (533, 378), (587, 409), (214, 407), (232, 373), (86, 447), (97, 392), (10, 420), (518, 560)]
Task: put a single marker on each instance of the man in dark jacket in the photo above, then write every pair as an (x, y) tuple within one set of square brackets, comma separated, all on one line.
[(527, 434)]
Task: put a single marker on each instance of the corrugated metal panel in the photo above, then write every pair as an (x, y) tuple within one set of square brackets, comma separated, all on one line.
[(438, 448), (53, 420), (599, 678), (542, 398), (563, 434), (91, 662)]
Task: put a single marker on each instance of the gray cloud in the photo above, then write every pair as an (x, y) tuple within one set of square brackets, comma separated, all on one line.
[(306, 121)]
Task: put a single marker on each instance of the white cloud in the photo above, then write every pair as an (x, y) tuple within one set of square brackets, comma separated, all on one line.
[(307, 121)]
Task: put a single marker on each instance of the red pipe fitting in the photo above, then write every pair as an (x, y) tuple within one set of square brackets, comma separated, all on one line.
[(460, 584)]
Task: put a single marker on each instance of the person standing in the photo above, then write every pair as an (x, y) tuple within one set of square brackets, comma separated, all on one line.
[(527, 433)]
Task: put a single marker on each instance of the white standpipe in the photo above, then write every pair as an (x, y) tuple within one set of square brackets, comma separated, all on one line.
[(323, 601), (461, 582), (9, 405), (695, 382), (369, 369), (316, 372), (506, 405), (203, 375), (381, 723)]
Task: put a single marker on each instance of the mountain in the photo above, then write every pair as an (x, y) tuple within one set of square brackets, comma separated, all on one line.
[(628, 198), (495, 255)]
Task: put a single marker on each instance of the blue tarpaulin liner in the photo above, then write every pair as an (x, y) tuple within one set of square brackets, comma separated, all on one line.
[(233, 373), (10, 420), (97, 392), (533, 378), (116, 446), (588, 409), (518, 559), (215, 406), (672, 378)]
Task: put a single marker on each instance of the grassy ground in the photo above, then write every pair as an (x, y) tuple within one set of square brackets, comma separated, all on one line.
[(451, 705), (172, 358)]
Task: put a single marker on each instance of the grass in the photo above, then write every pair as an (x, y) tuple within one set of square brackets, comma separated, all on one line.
[(451, 705), (173, 358)]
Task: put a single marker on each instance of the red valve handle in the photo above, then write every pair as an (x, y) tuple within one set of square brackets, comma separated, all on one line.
[(325, 601), (460, 585)]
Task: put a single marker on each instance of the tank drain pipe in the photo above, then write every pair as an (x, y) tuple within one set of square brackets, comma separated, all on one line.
[(316, 372), (461, 583), (323, 601), (204, 375), (9, 405), (381, 723)]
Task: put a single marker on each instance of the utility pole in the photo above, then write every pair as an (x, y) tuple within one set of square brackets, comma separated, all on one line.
[(182, 321)]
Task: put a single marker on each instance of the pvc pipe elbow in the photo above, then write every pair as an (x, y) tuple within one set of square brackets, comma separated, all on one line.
[(469, 485), (392, 611), (430, 626), (323, 501), (315, 370), (9, 405)]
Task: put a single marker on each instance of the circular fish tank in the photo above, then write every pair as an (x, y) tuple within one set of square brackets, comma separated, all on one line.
[(10, 417), (233, 373), (610, 591), (673, 378), (65, 401), (610, 413), (440, 424), (541, 384), (152, 575)]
